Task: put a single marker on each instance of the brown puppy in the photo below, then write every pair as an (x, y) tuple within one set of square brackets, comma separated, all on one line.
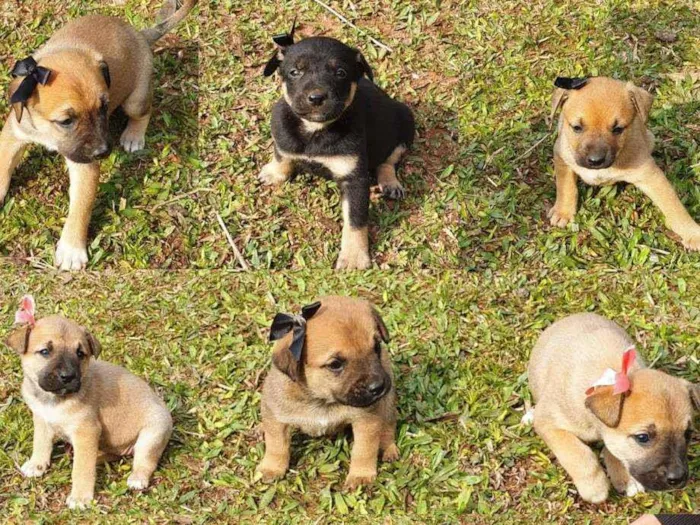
[(603, 139), (103, 410), (92, 65), (339, 376), (645, 430)]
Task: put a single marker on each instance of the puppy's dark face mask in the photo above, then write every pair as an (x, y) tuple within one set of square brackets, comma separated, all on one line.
[(319, 77)]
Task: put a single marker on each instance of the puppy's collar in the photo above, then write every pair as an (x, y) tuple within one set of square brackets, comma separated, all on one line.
[(34, 74), (570, 83), (282, 324), (618, 380), (25, 312)]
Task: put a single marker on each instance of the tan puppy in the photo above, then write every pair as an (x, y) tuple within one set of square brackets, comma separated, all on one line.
[(102, 410), (339, 376), (92, 65), (603, 139), (645, 430)]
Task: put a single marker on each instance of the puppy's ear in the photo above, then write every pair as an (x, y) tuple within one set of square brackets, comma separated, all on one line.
[(104, 69), (606, 406), (364, 66), (641, 99), (558, 99), (283, 359), (95, 346), (17, 107), (273, 63), (383, 332), (18, 340), (694, 391)]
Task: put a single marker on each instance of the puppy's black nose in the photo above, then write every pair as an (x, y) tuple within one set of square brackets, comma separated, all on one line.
[(596, 159), (376, 388), (316, 98), (67, 376), (101, 151), (677, 477)]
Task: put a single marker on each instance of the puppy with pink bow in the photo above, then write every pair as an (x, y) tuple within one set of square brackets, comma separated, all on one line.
[(589, 385)]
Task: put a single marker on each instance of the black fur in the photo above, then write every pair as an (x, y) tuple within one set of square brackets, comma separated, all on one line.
[(371, 127)]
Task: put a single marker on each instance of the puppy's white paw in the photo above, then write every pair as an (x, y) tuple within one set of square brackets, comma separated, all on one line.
[(634, 487), (529, 417), (272, 175), (353, 260), (131, 141), (137, 481), (69, 257), (559, 216), (691, 239), (33, 469), (595, 490), (79, 501)]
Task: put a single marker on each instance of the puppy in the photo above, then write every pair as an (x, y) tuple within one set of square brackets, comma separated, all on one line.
[(62, 97), (603, 139), (102, 410), (330, 370), (333, 121), (645, 427)]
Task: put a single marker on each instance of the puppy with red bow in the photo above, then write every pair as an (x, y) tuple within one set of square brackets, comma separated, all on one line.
[(330, 370), (589, 386), (62, 96)]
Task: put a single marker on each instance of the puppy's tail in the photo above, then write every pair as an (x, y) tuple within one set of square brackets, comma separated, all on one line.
[(168, 17)]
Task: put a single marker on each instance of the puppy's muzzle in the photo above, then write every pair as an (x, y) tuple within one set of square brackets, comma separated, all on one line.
[(370, 393), (596, 157), (63, 379)]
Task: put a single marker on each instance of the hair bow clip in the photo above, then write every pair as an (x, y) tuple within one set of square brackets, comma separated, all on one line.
[(34, 74), (282, 324), (286, 39), (620, 381), (25, 312), (570, 83)]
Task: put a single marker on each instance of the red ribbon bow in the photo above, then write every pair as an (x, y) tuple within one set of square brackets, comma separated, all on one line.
[(25, 313), (622, 381)]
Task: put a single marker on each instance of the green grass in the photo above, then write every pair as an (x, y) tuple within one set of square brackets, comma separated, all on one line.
[(460, 347)]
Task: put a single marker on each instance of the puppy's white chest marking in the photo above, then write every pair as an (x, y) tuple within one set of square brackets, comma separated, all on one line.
[(317, 422), (339, 165)]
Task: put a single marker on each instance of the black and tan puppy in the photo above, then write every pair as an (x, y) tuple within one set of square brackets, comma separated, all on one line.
[(603, 139), (588, 388), (103, 410), (330, 370), (335, 122), (62, 97)]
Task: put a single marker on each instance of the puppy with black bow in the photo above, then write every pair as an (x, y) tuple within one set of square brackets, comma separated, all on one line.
[(332, 120)]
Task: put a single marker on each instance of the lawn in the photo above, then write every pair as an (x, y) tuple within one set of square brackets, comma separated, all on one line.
[(460, 347)]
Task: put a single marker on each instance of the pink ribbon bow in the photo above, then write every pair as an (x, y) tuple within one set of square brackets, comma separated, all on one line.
[(25, 313), (622, 380)]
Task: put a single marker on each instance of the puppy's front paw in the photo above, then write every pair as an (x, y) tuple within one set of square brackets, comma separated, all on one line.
[(137, 481), (353, 260), (634, 487), (79, 501), (391, 453), (691, 239), (32, 469), (358, 480), (594, 490), (272, 174), (69, 257), (132, 140), (270, 472), (560, 216), (393, 191)]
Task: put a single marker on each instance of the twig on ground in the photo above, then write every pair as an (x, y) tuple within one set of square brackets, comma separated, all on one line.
[(348, 22), (238, 254)]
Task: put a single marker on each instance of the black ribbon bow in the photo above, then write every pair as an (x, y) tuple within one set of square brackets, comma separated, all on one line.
[(34, 73), (285, 39), (570, 83), (282, 324)]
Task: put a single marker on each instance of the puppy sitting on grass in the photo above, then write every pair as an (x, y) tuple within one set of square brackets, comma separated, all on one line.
[(330, 370), (333, 121), (588, 387), (102, 410), (62, 97), (603, 139)]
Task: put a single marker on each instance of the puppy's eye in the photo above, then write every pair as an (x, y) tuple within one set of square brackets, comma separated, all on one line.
[(341, 73), (577, 128), (336, 366), (80, 353), (295, 73), (66, 123), (642, 438), (44, 352), (617, 130)]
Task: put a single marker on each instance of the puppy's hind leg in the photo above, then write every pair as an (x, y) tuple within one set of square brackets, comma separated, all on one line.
[(389, 185), (138, 108), (578, 460), (149, 447)]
